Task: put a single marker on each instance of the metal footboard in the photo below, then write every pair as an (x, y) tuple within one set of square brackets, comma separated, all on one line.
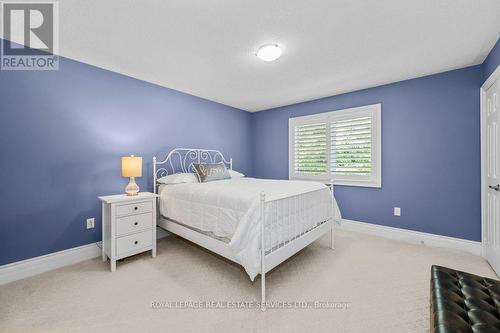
[(287, 226)]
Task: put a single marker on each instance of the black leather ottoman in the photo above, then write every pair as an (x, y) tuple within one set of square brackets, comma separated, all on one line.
[(463, 302)]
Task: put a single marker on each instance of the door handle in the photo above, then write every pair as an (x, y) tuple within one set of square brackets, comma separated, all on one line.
[(496, 188)]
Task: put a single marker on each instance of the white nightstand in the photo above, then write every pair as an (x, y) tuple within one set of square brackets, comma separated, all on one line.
[(128, 226)]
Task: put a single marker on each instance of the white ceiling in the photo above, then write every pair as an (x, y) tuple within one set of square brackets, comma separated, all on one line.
[(206, 48)]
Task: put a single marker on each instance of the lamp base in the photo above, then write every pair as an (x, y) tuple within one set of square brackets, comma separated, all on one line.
[(132, 187)]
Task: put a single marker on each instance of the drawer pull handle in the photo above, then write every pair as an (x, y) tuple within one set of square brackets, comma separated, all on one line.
[(136, 223), (136, 242), (136, 208)]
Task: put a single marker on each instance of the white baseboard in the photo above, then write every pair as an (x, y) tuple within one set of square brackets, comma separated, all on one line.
[(33, 266), (414, 237), (29, 267)]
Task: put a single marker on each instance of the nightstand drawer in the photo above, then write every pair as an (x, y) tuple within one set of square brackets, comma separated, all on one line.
[(134, 242), (135, 208), (128, 224)]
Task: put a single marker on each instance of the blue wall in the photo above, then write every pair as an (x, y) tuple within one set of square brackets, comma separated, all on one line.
[(61, 137), (492, 61), (430, 153)]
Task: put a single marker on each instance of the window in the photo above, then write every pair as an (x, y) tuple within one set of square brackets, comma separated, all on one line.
[(342, 147)]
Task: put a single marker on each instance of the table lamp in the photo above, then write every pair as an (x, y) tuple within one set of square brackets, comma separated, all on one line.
[(132, 167)]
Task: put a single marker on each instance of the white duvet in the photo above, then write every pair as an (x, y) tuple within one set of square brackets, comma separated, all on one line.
[(229, 209)]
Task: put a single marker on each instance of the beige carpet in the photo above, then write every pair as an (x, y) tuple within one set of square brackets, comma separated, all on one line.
[(380, 286)]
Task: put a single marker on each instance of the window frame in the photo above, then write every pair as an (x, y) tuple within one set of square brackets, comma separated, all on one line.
[(374, 179)]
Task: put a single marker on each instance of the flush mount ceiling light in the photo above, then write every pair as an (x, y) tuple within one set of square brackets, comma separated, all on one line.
[(269, 52)]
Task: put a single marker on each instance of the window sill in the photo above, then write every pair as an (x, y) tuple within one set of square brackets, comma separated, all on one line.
[(343, 183), (357, 184)]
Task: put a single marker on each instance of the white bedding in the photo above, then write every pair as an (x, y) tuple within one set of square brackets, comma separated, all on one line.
[(229, 210)]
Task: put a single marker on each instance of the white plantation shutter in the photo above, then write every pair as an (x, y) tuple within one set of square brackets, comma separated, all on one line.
[(339, 147), (351, 146), (310, 149)]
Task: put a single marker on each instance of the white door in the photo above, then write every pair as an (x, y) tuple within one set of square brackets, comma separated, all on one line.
[(492, 225)]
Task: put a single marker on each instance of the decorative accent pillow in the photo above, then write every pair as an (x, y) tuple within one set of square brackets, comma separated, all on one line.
[(235, 174), (207, 172), (178, 178)]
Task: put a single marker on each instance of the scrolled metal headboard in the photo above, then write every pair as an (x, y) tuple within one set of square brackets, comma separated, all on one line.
[(182, 160)]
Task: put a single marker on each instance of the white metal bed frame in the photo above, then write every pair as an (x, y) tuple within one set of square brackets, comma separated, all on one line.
[(182, 160)]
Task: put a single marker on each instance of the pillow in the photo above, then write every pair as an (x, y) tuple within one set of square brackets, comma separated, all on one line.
[(178, 178), (235, 174), (209, 172)]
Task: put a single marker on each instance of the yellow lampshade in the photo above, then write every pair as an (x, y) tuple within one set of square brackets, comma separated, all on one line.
[(131, 166)]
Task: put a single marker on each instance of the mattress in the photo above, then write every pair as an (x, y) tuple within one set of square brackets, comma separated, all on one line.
[(229, 210)]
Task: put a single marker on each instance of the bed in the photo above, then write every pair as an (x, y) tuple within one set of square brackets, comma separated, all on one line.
[(233, 217)]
